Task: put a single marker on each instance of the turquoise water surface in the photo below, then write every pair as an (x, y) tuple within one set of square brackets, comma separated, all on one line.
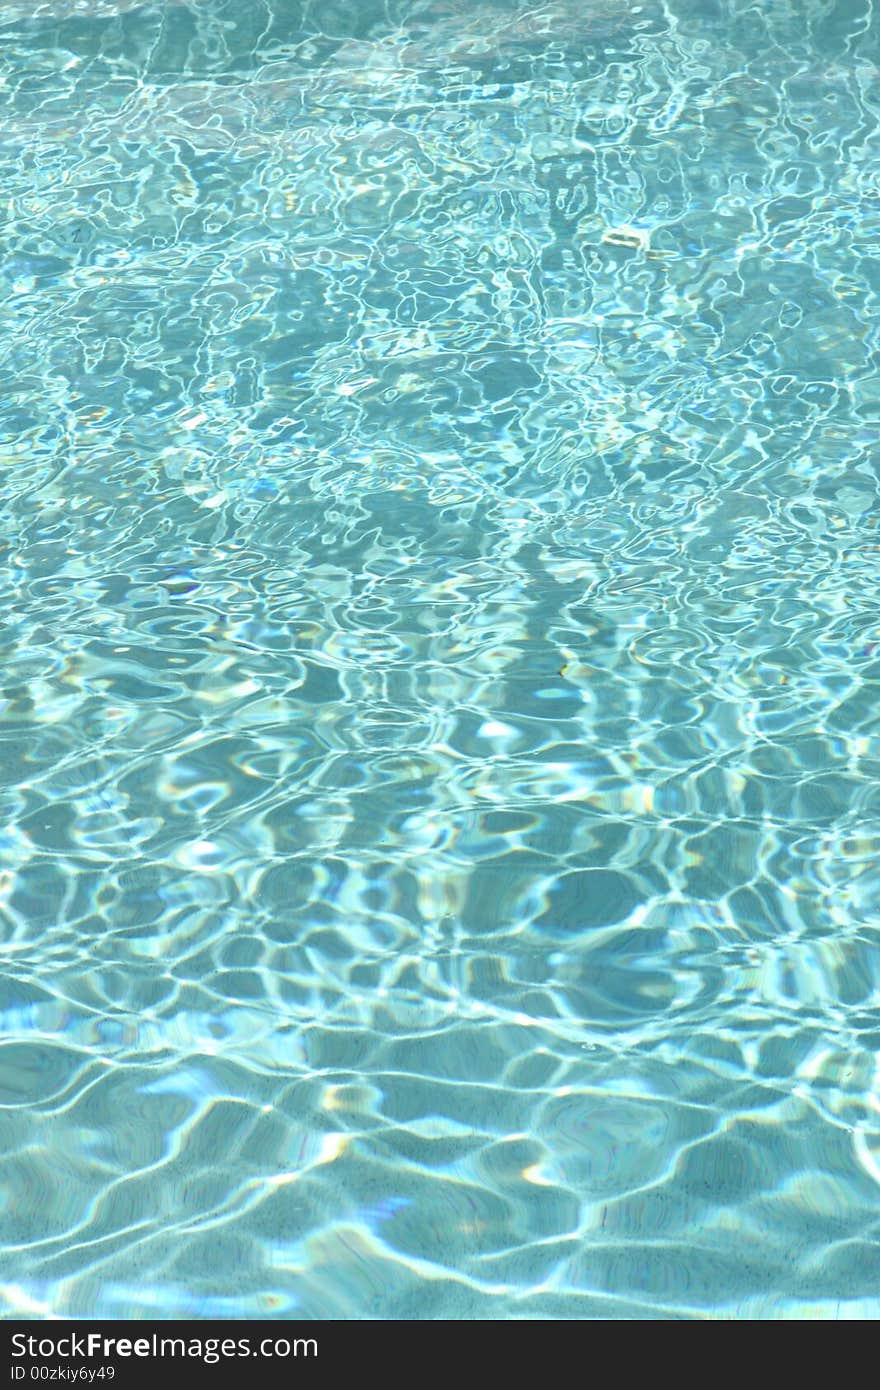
[(440, 851)]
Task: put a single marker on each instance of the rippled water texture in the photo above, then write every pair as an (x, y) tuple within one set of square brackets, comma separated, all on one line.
[(440, 658)]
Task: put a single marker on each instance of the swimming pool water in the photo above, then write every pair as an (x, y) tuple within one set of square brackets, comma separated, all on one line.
[(440, 853)]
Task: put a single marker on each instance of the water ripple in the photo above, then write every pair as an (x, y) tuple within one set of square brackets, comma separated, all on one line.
[(438, 716)]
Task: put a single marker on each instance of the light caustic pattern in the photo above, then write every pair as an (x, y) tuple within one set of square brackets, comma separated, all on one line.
[(440, 658)]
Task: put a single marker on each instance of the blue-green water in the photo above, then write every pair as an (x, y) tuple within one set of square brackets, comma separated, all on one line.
[(440, 864)]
